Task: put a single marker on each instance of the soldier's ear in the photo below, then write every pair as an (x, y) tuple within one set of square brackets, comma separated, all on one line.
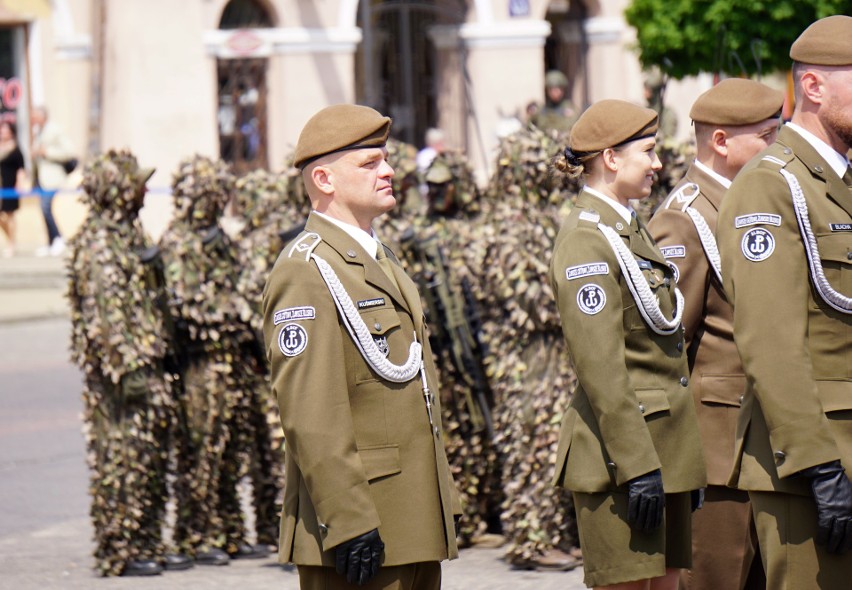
[(322, 177), (719, 142), (609, 159)]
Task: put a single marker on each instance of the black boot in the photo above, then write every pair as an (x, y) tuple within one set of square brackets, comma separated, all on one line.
[(212, 557), (246, 551), (142, 567), (173, 562)]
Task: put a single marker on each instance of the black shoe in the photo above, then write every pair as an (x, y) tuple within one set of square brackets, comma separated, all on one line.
[(142, 567), (246, 551), (212, 557), (174, 562)]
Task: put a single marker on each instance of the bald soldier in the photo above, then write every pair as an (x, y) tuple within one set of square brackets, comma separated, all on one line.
[(785, 237), (369, 499), (734, 121)]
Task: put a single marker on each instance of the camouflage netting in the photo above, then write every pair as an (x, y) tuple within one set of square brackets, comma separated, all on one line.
[(528, 365), (117, 339), (406, 181), (221, 362)]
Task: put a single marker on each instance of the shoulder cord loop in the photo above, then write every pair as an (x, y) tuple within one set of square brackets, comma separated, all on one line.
[(646, 302), (836, 300), (361, 334), (708, 241)]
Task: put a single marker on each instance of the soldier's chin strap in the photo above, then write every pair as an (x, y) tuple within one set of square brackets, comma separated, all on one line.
[(361, 335), (836, 300), (646, 302)]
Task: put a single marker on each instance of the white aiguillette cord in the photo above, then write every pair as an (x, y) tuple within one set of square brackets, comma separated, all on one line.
[(836, 300), (646, 302)]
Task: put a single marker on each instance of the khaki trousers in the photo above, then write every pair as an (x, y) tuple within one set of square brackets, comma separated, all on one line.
[(724, 544), (413, 576), (786, 527)]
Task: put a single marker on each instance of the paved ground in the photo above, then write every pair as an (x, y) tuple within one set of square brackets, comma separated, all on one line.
[(45, 535)]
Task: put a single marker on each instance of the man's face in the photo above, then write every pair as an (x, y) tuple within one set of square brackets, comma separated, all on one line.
[(745, 141), (836, 110), (362, 183)]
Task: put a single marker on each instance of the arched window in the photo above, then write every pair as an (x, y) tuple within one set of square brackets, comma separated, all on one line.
[(241, 116)]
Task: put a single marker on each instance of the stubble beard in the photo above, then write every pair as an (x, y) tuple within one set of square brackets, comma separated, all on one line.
[(837, 118)]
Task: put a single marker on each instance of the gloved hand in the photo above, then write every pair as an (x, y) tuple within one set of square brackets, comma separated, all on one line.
[(646, 501), (833, 496), (696, 498), (359, 559), (457, 523)]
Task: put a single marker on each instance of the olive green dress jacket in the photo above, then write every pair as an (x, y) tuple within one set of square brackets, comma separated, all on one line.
[(360, 451), (632, 411), (796, 350), (716, 373)]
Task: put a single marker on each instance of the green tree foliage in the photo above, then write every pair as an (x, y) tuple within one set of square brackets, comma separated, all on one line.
[(686, 37)]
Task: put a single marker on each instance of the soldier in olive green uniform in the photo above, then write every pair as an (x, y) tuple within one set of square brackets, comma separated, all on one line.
[(785, 238), (558, 112), (628, 449), (369, 498), (734, 120), (119, 341)]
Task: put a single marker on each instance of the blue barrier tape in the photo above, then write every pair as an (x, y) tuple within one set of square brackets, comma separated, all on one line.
[(10, 193)]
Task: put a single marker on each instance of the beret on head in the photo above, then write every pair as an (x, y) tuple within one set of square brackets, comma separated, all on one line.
[(610, 123), (341, 127), (736, 101), (827, 42)]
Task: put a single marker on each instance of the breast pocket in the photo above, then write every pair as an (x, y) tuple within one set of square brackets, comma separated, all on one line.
[(835, 252), (384, 326)]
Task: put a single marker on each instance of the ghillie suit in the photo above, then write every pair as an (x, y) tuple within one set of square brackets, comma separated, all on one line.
[(527, 366), (266, 204), (220, 361), (406, 181), (117, 339), (428, 249)]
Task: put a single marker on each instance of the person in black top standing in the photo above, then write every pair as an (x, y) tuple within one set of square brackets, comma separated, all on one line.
[(11, 168)]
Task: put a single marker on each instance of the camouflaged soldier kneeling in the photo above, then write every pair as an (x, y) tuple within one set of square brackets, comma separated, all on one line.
[(117, 340)]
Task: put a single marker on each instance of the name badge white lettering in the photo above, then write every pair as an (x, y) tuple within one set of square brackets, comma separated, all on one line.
[(757, 219), (586, 270), (294, 314)]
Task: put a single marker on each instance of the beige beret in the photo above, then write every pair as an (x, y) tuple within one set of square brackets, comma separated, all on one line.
[(827, 42), (736, 101), (609, 123), (341, 127)]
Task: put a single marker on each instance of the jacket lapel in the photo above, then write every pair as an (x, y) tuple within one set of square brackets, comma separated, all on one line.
[(836, 189)]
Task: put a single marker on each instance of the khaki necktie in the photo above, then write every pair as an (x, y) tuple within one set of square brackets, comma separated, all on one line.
[(386, 264)]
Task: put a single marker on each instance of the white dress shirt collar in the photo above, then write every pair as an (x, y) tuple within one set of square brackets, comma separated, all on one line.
[(625, 212), (836, 160), (368, 241), (713, 174)]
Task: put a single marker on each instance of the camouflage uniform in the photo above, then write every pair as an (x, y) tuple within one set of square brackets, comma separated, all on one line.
[(528, 364), (219, 358), (117, 340), (429, 250), (558, 116), (266, 204)]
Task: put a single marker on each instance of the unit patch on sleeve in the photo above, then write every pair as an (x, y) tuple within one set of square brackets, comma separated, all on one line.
[(678, 251), (294, 314), (757, 219), (591, 299), (368, 303), (292, 340), (586, 270), (758, 244)]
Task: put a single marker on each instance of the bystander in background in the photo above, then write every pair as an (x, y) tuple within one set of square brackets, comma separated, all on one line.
[(13, 176), (51, 154)]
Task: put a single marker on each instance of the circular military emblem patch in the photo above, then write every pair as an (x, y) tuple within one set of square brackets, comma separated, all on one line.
[(675, 270), (758, 244), (292, 339), (591, 299)]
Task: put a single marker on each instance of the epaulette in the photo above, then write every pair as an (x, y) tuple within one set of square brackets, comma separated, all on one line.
[(780, 160), (289, 234), (588, 218), (305, 245), (682, 197)]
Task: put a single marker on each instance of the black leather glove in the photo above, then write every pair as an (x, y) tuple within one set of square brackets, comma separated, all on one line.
[(696, 498), (646, 501), (457, 523), (833, 496), (359, 559)]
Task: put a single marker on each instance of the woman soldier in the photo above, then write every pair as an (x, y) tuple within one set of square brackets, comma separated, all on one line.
[(628, 449)]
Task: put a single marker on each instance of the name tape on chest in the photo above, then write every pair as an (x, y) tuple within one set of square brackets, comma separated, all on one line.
[(757, 219), (586, 270), (591, 299), (840, 226), (678, 251), (292, 340), (369, 303), (758, 244), (294, 314)]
